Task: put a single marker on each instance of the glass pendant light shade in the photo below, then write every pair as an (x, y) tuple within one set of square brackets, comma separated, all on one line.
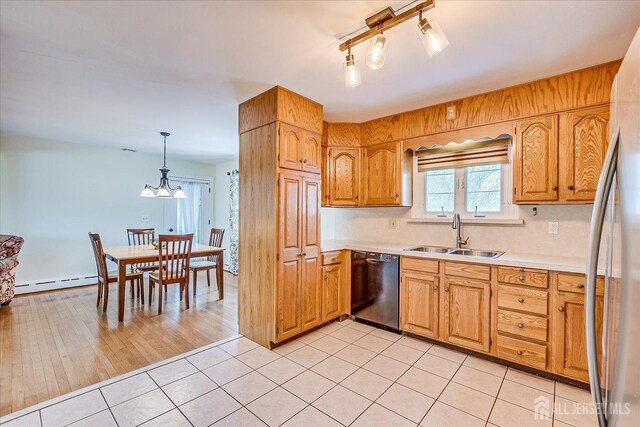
[(179, 194), (432, 37), (163, 193), (352, 76), (377, 52), (147, 192)]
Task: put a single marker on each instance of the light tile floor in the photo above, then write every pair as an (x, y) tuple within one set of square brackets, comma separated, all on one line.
[(344, 374)]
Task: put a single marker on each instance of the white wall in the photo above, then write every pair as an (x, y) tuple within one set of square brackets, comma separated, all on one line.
[(221, 204), (372, 224), (53, 193)]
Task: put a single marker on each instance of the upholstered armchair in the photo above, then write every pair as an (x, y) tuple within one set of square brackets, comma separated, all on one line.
[(9, 248)]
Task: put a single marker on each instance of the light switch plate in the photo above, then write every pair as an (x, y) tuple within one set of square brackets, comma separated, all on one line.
[(393, 223), (144, 218), (553, 227)]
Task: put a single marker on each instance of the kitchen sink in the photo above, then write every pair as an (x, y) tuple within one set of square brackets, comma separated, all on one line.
[(454, 251), (431, 249), (475, 252)]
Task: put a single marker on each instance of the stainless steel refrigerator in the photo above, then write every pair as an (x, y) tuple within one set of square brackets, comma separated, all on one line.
[(615, 247)]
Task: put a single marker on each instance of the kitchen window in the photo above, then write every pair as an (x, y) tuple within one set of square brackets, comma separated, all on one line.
[(474, 190)]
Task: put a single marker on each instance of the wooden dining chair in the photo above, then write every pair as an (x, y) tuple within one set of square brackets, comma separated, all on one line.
[(142, 236), (174, 259), (104, 277), (215, 239)]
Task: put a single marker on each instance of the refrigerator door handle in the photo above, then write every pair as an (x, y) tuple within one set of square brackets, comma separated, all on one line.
[(595, 236)]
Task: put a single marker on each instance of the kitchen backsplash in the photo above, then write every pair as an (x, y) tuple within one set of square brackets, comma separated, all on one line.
[(372, 224)]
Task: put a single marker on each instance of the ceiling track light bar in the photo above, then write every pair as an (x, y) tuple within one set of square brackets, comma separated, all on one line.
[(385, 20)]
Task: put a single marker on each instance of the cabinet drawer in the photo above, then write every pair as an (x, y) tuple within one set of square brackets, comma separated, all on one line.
[(523, 299), (524, 352), (419, 264), (576, 283), (524, 325), (523, 276), (471, 271), (331, 257)]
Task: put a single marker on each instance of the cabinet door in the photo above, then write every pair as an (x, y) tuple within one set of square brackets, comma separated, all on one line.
[(583, 148), (419, 303), (311, 153), (289, 250), (569, 343), (331, 291), (290, 146), (535, 165), (466, 310), (344, 176), (382, 174), (310, 293)]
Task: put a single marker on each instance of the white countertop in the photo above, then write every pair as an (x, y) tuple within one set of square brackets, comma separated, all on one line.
[(542, 262)]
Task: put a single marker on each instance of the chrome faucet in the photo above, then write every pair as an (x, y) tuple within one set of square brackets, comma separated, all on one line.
[(456, 226)]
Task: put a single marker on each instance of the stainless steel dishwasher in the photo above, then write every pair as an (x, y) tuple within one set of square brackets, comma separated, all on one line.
[(375, 288)]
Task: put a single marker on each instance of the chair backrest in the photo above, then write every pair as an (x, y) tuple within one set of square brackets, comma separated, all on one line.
[(175, 256), (141, 236), (98, 253), (215, 238)]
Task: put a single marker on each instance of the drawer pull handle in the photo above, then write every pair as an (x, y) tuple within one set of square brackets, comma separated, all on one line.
[(520, 325), (580, 285), (520, 352), (521, 278), (521, 300), (561, 309)]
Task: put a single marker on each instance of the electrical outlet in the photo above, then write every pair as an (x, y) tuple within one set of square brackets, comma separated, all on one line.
[(451, 112), (553, 227), (144, 218), (393, 223)]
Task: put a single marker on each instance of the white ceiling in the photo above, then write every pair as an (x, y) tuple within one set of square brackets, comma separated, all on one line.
[(116, 73)]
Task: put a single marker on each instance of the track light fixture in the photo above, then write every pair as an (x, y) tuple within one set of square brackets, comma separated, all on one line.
[(429, 32), (351, 71)]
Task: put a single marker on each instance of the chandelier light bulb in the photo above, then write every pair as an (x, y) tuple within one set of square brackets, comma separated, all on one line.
[(352, 77), (432, 37)]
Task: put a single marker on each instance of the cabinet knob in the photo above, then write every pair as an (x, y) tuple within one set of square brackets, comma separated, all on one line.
[(397, 195), (301, 160), (520, 352), (570, 187), (520, 325), (521, 278), (580, 285), (446, 289), (522, 269), (356, 197), (435, 287), (561, 309), (304, 161), (521, 300), (554, 188), (304, 254)]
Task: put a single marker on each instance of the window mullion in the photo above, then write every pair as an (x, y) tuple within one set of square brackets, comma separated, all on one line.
[(459, 199)]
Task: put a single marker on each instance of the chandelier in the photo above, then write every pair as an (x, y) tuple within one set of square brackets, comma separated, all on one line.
[(163, 191)]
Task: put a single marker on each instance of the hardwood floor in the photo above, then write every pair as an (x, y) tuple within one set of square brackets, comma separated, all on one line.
[(55, 342)]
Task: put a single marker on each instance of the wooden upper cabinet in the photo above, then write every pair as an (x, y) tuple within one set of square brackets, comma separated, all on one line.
[(419, 303), (584, 142), (466, 313), (311, 153), (382, 174), (343, 170), (535, 161), (290, 147)]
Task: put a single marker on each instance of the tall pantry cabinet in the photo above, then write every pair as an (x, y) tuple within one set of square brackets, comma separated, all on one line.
[(279, 261)]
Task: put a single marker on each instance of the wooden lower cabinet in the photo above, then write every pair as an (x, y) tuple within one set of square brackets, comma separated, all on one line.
[(466, 313), (419, 303), (569, 354), (331, 291), (288, 296), (310, 294)]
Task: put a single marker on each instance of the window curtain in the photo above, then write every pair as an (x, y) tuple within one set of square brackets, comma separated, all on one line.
[(189, 214), (233, 222)]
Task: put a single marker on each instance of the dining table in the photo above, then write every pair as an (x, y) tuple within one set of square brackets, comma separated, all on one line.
[(138, 254)]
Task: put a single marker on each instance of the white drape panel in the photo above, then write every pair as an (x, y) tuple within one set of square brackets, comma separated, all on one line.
[(233, 222), (190, 210)]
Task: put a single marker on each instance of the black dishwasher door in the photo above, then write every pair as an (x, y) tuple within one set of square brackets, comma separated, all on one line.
[(374, 288)]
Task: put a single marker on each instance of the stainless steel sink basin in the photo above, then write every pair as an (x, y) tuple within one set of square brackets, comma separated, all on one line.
[(431, 249), (476, 252)]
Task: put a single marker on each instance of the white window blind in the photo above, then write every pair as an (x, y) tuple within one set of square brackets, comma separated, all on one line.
[(469, 153)]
